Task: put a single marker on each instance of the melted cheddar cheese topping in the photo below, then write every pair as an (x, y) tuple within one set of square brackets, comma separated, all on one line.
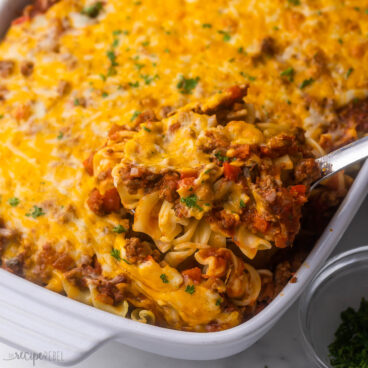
[(90, 72)]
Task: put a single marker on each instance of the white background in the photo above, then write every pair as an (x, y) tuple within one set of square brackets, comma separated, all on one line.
[(280, 348)]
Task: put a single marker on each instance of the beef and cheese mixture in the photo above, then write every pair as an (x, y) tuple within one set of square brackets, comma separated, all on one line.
[(156, 157)]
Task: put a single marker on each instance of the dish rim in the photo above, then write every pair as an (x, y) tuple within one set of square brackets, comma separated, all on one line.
[(254, 328)]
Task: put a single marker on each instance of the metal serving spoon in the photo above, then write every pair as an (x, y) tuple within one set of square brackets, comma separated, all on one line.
[(337, 160)]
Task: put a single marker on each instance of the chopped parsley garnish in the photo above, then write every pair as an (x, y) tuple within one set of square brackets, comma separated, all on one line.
[(186, 85), (112, 57), (148, 79), (242, 204), (60, 135), (206, 25), (225, 35), (191, 202), (103, 77), (36, 212), (76, 102), (126, 261), (1, 116), (115, 43), (221, 157), (340, 41), (249, 77), (111, 71), (241, 50), (93, 10), (306, 83), (119, 229), (135, 115), (164, 279), (14, 201), (105, 94), (116, 254), (349, 72), (218, 301), (350, 347), (147, 129), (145, 43), (134, 85), (289, 73), (190, 289), (167, 51), (139, 66), (294, 2), (117, 32), (207, 171)]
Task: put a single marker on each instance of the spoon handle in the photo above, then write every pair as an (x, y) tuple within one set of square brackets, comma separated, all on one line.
[(341, 158)]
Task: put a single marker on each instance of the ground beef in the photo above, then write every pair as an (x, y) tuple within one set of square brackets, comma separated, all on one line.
[(214, 140), (140, 178), (104, 204), (280, 145), (15, 264), (147, 115), (307, 171), (109, 291), (355, 115), (241, 151), (137, 250), (225, 220), (95, 202), (268, 46), (282, 275), (168, 187), (63, 88), (26, 68), (6, 68), (351, 122), (39, 6)]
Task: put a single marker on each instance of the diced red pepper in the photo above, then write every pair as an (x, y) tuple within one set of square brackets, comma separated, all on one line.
[(20, 20), (194, 274), (231, 172)]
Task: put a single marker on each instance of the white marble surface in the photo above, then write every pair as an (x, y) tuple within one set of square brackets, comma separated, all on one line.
[(280, 348)]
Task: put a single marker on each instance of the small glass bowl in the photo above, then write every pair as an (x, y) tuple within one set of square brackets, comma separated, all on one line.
[(340, 284)]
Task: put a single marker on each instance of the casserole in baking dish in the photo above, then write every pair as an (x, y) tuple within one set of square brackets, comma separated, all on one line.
[(184, 217)]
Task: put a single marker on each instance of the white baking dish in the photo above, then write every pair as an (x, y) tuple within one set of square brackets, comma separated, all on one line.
[(35, 319)]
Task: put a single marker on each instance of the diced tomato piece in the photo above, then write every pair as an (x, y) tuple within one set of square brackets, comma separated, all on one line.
[(186, 182), (95, 202), (236, 92), (88, 164), (300, 189), (111, 200), (260, 223), (231, 172), (188, 174), (20, 20), (194, 274)]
